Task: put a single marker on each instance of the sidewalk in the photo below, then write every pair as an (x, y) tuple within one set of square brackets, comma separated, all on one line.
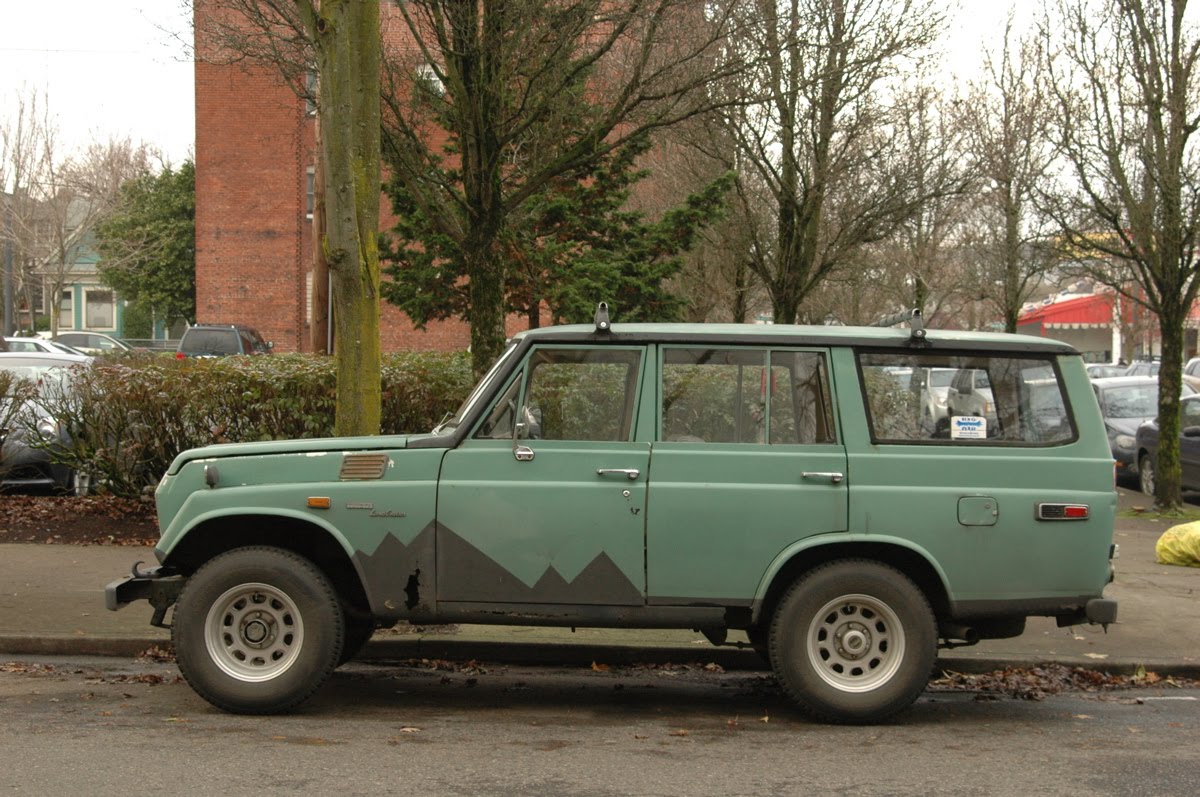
[(52, 603)]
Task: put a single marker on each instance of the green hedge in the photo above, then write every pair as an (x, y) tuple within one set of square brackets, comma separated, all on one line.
[(128, 417)]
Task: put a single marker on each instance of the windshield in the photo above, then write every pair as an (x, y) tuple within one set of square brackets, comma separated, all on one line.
[(1135, 401), (481, 389), (941, 377)]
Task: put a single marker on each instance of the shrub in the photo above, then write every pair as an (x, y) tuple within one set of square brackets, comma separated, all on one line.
[(129, 417)]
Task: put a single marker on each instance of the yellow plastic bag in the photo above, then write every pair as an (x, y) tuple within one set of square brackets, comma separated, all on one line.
[(1179, 545)]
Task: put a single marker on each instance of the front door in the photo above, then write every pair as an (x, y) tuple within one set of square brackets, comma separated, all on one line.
[(545, 502)]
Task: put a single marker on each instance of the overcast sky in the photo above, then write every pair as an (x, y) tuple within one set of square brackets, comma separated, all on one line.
[(108, 67), (115, 68)]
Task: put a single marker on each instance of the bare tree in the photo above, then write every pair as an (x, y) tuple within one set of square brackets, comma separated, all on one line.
[(340, 42), (1124, 82), (529, 92), (816, 132), (1007, 115), (22, 138), (77, 191)]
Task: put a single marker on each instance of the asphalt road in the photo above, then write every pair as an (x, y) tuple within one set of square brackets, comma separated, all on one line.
[(109, 727)]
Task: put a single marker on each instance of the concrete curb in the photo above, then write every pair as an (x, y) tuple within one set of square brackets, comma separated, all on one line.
[(554, 654)]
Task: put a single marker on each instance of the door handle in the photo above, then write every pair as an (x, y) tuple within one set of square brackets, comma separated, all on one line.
[(523, 453), (629, 473), (832, 476)]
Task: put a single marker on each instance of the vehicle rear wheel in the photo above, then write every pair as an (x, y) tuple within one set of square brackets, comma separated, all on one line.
[(853, 641), (257, 630), (1146, 474)]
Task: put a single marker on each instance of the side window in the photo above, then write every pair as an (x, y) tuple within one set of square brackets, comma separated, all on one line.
[(988, 399), (1191, 414), (731, 396), (580, 394)]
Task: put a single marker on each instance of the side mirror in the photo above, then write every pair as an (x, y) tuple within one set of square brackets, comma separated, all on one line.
[(1191, 431)]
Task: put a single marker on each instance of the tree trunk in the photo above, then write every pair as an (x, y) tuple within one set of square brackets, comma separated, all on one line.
[(486, 312), (348, 55), (1168, 467)]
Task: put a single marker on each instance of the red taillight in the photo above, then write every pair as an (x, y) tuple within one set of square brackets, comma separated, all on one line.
[(1077, 512)]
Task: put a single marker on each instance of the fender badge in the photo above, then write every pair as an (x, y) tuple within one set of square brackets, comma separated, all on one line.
[(388, 513), (360, 506)]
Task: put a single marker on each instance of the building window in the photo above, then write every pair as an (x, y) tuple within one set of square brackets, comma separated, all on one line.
[(310, 192), (310, 92), (66, 309), (428, 80), (98, 309)]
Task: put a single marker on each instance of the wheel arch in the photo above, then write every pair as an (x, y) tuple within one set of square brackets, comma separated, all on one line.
[(803, 557), (322, 545)]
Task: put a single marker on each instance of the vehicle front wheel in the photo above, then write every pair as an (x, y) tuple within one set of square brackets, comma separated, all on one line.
[(257, 630), (1146, 474), (853, 641)]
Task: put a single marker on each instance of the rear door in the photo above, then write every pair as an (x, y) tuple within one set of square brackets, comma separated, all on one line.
[(746, 462)]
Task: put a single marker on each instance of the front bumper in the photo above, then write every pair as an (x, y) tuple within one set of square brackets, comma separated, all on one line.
[(157, 585)]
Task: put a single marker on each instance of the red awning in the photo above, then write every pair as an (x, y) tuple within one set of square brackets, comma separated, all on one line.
[(1084, 312)]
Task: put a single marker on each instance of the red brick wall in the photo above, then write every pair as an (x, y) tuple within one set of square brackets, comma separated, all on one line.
[(254, 145)]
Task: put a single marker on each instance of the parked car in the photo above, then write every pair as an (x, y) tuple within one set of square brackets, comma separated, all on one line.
[(23, 464), (220, 340), (93, 342), (1105, 370), (796, 496), (1143, 368), (1189, 448), (1126, 402), (933, 387), (36, 345), (970, 396)]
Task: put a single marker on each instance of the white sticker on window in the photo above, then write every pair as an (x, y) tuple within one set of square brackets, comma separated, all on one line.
[(968, 427)]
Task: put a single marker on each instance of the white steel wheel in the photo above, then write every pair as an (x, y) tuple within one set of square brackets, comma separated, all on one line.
[(254, 632), (856, 643)]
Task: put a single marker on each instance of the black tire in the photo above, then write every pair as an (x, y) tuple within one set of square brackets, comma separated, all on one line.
[(257, 630), (853, 641), (1146, 474)]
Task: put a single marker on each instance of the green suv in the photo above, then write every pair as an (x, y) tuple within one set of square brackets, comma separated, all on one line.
[(778, 480)]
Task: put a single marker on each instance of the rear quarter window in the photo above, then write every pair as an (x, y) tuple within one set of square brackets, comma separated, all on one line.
[(993, 399)]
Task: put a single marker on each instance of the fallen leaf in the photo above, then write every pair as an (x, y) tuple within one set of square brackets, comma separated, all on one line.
[(679, 732), (600, 667), (410, 729), (1096, 655)]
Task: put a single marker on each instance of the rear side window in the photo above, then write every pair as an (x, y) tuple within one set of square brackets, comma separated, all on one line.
[(965, 399), (745, 396)]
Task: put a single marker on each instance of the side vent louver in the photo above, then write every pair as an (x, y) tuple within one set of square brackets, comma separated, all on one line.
[(363, 467)]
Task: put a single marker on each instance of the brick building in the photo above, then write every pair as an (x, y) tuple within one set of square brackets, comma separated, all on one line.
[(255, 157)]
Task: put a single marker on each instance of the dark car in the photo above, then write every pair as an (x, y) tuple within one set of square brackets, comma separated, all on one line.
[(1189, 448), (220, 340), (26, 462), (1126, 402)]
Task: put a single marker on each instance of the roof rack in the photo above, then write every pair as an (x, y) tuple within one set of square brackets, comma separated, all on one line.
[(916, 323)]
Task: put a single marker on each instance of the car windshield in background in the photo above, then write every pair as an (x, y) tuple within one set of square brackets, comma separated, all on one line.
[(1134, 401), (210, 341), (941, 377)]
